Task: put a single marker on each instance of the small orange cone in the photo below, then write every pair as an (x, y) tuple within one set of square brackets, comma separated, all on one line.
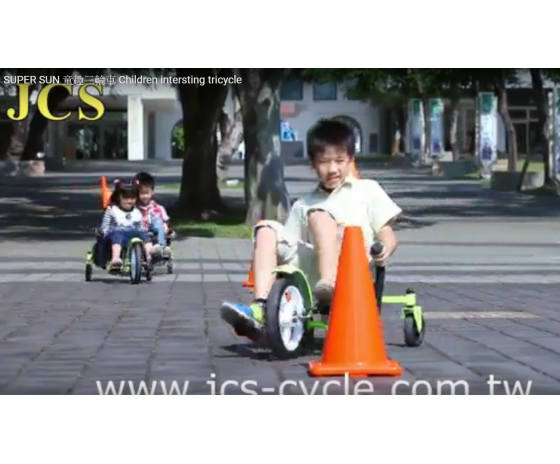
[(105, 193), (250, 282), (354, 344)]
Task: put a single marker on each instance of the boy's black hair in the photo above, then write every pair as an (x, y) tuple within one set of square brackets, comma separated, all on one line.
[(145, 179), (330, 132)]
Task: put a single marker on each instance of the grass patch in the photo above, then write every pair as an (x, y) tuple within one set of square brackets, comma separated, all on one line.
[(223, 185), (229, 225), (544, 191), (474, 176), (534, 166), (471, 176)]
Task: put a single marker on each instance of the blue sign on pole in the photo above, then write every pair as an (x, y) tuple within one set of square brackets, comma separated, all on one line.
[(487, 150), (416, 119), (436, 127), (556, 126), (287, 134)]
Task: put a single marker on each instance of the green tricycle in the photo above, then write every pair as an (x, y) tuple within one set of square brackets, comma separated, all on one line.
[(291, 309), (135, 263)]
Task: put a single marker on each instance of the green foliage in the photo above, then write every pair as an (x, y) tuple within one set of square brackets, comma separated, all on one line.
[(178, 137), (398, 85), (552, 75)]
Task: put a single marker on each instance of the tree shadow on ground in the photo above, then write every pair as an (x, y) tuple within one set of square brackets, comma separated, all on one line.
[(113, 166), (460, 201), (68, 208), (45, 213)]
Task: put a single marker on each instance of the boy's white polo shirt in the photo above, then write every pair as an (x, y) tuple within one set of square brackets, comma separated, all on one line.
[(356, 202)]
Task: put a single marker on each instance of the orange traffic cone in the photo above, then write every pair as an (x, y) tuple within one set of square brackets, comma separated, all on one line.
[(105, 193), (354, 344), (250, 282), (354, 171)]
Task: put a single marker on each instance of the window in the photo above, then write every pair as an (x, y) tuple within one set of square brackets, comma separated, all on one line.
[(291, 90), (326, 91), (373, 143), (351, 86)]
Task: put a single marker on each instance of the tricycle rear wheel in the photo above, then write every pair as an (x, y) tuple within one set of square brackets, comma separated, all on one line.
[(412, 336)]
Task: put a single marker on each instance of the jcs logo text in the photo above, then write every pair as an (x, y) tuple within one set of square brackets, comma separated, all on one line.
[(92, 101)]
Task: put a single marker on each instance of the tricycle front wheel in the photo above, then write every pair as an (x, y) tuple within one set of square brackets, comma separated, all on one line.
[(136, 262), (286, 326)]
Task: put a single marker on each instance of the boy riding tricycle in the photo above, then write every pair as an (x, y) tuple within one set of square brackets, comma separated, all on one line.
[(295, 265)]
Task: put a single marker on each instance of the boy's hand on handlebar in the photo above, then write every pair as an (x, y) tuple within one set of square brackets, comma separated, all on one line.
[(388, 240), (382, 258)]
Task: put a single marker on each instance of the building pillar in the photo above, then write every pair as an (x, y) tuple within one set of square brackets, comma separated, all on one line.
[(135, 116), (164, 123)]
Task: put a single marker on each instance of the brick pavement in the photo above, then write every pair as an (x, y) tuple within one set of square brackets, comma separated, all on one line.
[(488, 290), (59, 334), (57, 339)]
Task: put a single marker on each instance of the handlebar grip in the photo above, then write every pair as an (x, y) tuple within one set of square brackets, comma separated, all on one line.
[(377, 248)]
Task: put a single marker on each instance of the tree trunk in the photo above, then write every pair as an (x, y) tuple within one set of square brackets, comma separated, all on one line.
[(453, 127), (265, 188), (543, 133), (35, 143), (199, 196), (427, 129), (12, 139), (6, 134), (402, 116), (398, 129), (231, 131), (510, 128), (427, 146)]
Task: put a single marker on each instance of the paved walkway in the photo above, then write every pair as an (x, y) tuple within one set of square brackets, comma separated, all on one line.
[(488, 289)]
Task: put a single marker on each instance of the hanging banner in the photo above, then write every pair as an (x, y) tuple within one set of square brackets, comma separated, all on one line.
[(487, 139), (436, 127), (286, 132), (556, 132), (415, 128)]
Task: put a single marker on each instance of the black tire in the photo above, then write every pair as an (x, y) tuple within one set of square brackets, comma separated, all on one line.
[(273, 327), (170, 266), (412, 337), (89, 272), (136, 255)]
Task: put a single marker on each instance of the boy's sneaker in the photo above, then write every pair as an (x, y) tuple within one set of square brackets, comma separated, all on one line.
[(166, 253), (324, 291), (247, 321)]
